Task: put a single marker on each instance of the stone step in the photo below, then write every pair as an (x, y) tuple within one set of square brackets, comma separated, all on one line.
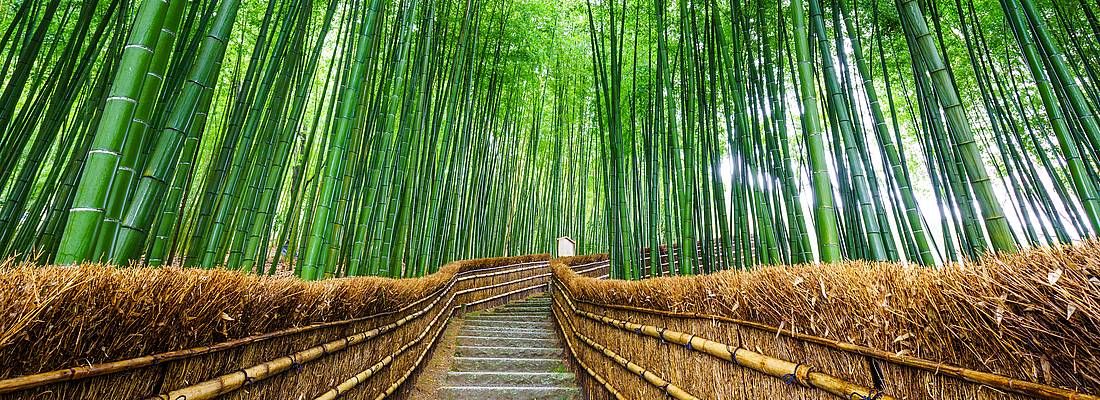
[(493, 323), (532, 308), (509, 318), (518, 311), (506, 341), (543, 304), (517, 308), (506, 364), (508, 322), (509, 393), (510, 352), (535, 311), (538, 300), (481, 378), (505, 351), (495, 326), (528, 316), (506, 332), (533, 314)]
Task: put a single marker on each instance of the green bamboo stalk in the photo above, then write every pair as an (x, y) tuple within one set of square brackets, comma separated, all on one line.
[(86, 214), (137, 219)]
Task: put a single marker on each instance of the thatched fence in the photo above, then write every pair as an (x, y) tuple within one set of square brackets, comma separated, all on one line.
[(1010, 327), (106, 333)]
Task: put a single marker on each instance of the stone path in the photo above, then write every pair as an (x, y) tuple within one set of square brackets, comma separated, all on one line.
[(509, 352)]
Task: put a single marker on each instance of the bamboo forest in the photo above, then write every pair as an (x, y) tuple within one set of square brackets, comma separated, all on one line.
[(550, 199), (384, 137)]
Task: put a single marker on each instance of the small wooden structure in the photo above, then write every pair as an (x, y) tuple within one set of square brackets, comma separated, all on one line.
[(566, 247)]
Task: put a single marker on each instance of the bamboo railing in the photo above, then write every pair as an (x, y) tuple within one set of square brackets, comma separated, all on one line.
[(333, 354), (634, 344)]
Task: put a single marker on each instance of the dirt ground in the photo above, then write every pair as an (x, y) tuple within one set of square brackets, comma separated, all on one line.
[(434, 374)]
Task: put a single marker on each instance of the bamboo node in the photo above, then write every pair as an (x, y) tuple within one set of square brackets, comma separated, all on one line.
[(733, 354), (792, 377), (874, 395), (247, 379)]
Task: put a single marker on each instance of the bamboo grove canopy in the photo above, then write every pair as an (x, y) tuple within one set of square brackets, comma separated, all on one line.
[(386, 137)]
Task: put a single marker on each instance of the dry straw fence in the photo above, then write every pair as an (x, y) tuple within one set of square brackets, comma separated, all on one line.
[(1009, 327), (104, 333)]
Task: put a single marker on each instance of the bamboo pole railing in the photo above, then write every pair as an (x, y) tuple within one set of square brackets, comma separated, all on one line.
[(503, 284), (362, 376), (235, 380), (787, 371), (800, 373), (229, 382), (653, 379), (409, 372), (598, 263), (506, 269), (590, 269), (238, 379), (999, 382), (573, 353), (89, 371), (649, 376)]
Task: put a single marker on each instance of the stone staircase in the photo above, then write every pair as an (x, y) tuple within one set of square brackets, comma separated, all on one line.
[(509, 352)]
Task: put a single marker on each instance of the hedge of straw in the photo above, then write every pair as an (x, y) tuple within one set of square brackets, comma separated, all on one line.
[(60, 317), (1033, 316)]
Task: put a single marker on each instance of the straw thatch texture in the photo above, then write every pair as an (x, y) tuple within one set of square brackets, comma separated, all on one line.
[(166, 329), (593, 266), (1033, 316)]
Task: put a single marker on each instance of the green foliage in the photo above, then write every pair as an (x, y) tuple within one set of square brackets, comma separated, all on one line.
[(355, 137)]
